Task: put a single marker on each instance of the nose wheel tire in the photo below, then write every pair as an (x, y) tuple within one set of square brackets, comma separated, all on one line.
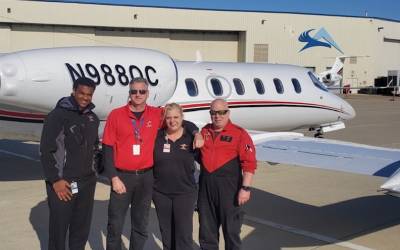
[(319, 134)]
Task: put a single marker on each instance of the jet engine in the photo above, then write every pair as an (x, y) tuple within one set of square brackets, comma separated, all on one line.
[(330, 79), (327, 77)]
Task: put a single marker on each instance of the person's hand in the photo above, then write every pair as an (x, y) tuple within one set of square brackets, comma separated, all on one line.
[(198, 141), (63, 190), (117, 185), (243, 196)]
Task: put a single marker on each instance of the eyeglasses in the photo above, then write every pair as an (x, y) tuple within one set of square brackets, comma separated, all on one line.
[(135, 91), (218, 112)]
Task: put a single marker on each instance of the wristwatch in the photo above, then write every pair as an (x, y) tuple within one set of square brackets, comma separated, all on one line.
[(246, 188)]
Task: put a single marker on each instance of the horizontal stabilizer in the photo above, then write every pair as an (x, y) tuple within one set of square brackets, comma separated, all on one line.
[(330, 154)]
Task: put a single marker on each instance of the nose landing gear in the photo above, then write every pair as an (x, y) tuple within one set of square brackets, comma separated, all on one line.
[(319, 133), (323, 128)]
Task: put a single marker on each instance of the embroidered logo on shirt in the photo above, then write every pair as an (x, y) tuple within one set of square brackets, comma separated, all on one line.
[(91, 118), (248, 148), (226, 138), (148, 124), (207, 136), (184, 146)]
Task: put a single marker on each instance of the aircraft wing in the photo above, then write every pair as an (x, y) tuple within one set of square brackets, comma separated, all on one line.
[(293, 148)]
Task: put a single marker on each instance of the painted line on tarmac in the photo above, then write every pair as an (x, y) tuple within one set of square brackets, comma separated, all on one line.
[(31, 142), (19, 155), (308, 234)]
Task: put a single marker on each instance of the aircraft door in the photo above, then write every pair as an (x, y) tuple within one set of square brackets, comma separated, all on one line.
[(218, 87)]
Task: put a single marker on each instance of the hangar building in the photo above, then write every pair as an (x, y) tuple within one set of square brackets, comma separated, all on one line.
[(215, 35)]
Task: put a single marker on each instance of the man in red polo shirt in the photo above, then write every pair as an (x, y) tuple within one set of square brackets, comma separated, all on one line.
[(128, 143), (228, 163)]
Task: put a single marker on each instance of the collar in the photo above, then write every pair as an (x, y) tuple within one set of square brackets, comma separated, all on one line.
[(227, 127), (163, 134), (129, 111)]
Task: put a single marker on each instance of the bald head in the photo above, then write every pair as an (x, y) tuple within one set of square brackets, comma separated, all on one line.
[(219, 104), (219, 112)]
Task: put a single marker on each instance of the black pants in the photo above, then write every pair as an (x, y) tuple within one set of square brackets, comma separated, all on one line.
[(138, 195), (74, 215), (175, 216), (218, 206)]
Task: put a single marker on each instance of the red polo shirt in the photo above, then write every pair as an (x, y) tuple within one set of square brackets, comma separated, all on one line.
[(233, 141), (119, 133)]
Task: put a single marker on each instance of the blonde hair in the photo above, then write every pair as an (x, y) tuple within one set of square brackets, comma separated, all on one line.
[(171, 106)]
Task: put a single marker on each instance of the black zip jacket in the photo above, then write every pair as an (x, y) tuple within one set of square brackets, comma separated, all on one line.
[(69, 141)]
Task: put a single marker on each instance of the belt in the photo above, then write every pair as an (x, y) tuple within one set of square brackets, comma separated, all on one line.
[(136, 172)]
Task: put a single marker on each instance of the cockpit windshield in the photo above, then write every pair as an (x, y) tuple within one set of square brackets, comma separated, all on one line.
[(316, 82)]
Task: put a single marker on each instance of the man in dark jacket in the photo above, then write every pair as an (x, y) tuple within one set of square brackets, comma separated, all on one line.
[(68, 145)]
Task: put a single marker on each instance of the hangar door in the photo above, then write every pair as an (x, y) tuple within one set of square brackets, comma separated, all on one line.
[(180, 45), (32, 36)]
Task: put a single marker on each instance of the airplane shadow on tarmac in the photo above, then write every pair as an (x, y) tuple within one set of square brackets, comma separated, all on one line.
[(26, 169), (39, 220), (343, 220)]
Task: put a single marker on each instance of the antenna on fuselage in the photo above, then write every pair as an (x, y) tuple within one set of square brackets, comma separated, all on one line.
[(199, 57)]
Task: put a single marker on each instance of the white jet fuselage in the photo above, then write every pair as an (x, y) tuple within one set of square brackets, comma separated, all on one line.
[(312, 106), (31, 82)]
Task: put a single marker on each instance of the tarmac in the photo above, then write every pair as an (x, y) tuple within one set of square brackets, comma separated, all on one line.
[(291, 207)]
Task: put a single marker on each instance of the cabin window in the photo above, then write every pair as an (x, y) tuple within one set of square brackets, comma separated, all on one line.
[(216, 87), (296, 85), (238, 86), (191, 87), (316, 82), (259, 86), (278, 85)]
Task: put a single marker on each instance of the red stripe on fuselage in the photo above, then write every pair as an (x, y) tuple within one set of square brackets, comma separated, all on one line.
[(238, 103), (15, 114)]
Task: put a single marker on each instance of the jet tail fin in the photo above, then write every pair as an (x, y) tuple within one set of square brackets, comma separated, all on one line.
[(333, 76), (337, 67)]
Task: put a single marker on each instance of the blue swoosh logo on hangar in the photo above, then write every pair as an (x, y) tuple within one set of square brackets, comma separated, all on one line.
[(315, 41)]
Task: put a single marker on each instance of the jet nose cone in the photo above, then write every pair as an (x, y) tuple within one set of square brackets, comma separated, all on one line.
[(348, 110)]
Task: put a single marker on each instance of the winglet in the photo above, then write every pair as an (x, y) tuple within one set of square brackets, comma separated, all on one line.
[(392, 186)]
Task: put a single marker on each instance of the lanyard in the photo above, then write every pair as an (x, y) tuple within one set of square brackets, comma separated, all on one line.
[(136, 129)]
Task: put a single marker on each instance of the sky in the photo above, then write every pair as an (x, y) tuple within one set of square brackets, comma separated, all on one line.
[(388, 9)]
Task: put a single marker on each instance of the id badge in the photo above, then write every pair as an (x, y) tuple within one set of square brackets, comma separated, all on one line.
[(136, 149), (167, 148), (74, 187)]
